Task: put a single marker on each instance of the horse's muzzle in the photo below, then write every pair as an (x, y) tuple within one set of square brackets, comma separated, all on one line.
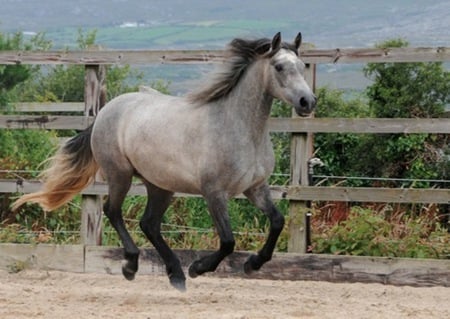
[(306, 105)]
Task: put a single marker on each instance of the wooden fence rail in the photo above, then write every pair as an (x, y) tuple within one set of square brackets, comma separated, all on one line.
[(302, 129), (292, 125), (135, 57), (292, 193)]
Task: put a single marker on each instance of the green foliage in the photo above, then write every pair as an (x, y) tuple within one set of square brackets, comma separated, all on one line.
[(13, 75), (10, 75), (65, 83), (370, 233), (25, 149), (407, 90), (399, 90), (332, 103), (281, 146), (339, 150), (15, 233)]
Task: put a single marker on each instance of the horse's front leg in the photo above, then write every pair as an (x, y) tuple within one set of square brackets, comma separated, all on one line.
[(260, 197), (217, 205)]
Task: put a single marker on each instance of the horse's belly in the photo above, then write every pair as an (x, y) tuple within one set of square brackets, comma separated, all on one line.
[(170, 176)]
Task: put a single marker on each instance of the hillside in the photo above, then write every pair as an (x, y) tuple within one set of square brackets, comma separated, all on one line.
[(204, 23)]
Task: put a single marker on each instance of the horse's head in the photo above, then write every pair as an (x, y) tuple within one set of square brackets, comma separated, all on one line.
[(285, 76)]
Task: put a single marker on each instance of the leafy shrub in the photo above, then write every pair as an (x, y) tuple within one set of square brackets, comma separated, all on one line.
[(367, 232)]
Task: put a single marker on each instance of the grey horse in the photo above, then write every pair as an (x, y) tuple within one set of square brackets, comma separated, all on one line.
[(214, 142)]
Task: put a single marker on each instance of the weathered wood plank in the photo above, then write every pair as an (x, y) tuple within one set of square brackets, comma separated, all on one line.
[(16, 257), (339, 55), (49, 122), (49, 107), (287, 266), (381, 55), (91, 220), (369, 194), (294, 125), (296, 193), (101, 188), (92, 205), (283, 266), (111, 57), (360, 125)]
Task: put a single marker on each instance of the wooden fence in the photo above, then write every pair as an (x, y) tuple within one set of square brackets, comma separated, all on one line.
[(302, 129)]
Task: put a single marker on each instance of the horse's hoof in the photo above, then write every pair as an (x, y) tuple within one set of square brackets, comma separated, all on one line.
[(127, 272), (178, 283), (192, 270), (253, 263)]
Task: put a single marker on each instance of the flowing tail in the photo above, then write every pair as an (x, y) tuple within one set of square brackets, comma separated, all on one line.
[(70, 170)]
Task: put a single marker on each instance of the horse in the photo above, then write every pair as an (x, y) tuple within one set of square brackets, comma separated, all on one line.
[(213, 142)]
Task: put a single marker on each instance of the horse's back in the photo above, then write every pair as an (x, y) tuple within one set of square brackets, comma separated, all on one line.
[(132, 109)]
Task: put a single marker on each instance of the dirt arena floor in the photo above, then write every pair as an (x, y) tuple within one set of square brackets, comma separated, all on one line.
[(52, 294)]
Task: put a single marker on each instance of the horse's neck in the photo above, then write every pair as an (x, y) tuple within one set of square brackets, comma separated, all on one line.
[(249, 100)]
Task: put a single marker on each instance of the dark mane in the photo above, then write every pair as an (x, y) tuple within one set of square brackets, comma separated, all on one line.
[(239, 55)]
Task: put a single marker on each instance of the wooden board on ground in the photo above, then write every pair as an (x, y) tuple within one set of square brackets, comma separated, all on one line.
[(16, 257), (283, 266)]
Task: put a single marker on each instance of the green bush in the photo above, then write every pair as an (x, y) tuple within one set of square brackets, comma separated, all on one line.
[(367, 232)]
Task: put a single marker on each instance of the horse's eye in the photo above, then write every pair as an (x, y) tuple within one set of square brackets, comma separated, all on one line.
[(278, 67)]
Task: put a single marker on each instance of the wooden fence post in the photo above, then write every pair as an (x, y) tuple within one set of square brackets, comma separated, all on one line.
[(301, 151), (91, 205)]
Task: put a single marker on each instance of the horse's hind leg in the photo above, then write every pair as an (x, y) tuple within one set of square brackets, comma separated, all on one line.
[(119, 183), (260, 197), (157, 203), (217, 205)]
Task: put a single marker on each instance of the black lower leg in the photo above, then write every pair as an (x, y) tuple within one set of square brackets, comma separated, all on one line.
[(131, 252), (173, 265), (255, 262), (260, 196), (210, 262), (217, 206)]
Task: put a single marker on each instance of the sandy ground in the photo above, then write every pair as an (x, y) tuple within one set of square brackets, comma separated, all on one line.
[(52, 294)]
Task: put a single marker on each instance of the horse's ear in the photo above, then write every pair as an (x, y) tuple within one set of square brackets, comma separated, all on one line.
[(270, 48), (276, 42), (298, 40)]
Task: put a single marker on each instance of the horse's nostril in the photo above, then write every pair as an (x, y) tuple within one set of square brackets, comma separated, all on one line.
[(304, 102)]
